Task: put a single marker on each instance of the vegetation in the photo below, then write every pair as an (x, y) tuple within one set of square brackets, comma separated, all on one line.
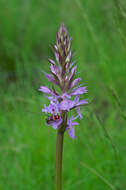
[(96, 159)]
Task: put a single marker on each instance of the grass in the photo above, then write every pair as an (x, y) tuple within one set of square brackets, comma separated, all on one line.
[(27, 148)]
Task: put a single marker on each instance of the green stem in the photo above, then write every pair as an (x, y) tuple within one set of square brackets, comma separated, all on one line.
[(59, 154)]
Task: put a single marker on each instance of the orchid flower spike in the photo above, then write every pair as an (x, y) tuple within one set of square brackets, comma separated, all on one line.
[(63, 74)]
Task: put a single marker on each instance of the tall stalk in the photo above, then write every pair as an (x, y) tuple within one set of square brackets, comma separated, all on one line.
[(62, 74), (59, 158)]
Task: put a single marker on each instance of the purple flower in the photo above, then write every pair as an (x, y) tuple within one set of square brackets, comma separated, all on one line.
[(67, 104), (70, 127), (79, 112), (79, 91), (46, 90), (75, 82), (63, 74), (52, 108), (51, 79)]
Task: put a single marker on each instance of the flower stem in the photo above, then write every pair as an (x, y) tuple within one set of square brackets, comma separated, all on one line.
[(59, 154)]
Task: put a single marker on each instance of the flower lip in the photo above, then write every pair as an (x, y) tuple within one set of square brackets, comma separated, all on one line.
[(52, 108), (70, 127)]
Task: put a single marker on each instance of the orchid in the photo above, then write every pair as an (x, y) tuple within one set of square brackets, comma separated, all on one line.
[(63, 72)]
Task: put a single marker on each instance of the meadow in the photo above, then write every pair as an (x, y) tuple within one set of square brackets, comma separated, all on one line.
[(96, 159)]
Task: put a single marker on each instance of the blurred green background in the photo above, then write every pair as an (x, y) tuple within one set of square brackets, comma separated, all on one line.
[(27, 147)]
